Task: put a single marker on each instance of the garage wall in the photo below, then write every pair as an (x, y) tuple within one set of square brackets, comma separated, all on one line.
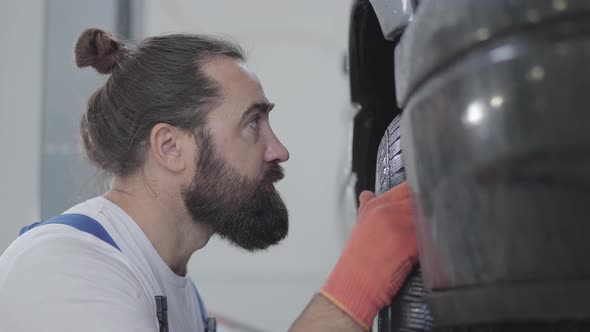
[(21, 59)]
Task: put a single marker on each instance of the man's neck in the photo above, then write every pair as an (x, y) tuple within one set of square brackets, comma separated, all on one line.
[(163, 219)]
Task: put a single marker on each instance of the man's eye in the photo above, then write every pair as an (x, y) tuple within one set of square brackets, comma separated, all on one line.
[(254, 122)]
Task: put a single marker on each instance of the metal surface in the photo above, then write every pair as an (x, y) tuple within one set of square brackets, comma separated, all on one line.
[(393, 15), (496, 148)]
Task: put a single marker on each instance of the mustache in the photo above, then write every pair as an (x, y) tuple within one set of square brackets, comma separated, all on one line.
[(274, 173)]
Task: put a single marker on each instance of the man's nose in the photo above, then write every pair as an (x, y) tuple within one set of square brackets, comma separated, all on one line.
[(275, 151)]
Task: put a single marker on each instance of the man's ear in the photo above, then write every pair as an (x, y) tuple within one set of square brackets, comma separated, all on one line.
[(169, 147)]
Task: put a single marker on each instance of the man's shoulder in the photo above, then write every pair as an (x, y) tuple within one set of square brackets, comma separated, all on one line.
[(57, 240), (70, 244), (57, 270), (61, 256), (92, 207), (84, 224)]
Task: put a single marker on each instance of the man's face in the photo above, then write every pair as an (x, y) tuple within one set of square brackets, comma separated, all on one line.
[(238, 162)]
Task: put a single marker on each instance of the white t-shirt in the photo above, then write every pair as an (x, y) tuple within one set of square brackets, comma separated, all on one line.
[(58, 278)]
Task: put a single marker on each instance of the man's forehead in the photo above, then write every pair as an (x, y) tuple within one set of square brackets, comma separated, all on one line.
[(232, 73), (240, 87)]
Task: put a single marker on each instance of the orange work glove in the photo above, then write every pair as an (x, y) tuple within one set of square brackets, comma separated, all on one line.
[(378, 256)]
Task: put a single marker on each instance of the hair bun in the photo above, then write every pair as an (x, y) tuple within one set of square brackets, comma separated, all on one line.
[(98, 49)]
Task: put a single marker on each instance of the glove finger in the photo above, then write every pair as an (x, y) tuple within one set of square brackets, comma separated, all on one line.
[(397, 193), (365, 196), (405, 206)]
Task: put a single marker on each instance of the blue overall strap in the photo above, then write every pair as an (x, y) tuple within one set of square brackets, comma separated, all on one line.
[(80, 222), (204, 315)]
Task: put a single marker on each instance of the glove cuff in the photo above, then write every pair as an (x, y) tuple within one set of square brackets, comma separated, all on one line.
[(359, 294)]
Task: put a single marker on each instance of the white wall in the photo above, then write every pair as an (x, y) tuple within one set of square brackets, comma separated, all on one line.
[(296, 48), (21, 40)]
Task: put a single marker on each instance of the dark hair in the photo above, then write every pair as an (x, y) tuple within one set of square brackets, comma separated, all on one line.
[(159, 81)]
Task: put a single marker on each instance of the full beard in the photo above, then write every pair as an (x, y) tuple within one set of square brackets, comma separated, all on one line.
[(249, 214)]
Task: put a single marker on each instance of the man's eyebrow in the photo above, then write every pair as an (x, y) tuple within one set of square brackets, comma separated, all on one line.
[(263, 107)]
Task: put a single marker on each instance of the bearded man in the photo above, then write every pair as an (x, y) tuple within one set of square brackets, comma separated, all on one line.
[(182, 127)]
